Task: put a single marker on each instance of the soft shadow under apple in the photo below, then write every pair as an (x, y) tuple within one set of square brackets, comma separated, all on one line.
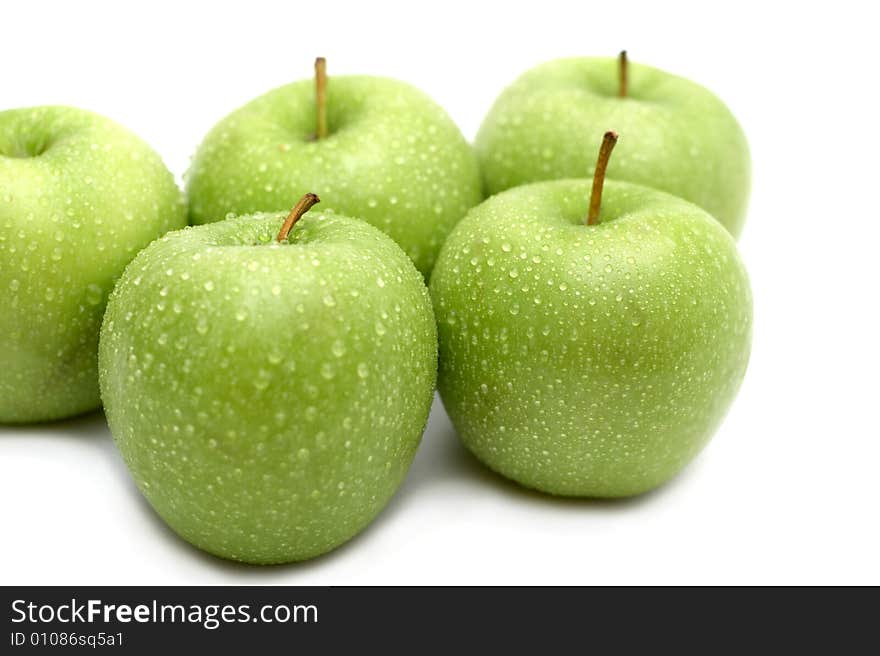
[(90, 425)]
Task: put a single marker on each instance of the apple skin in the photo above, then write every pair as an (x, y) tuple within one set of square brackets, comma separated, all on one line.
[(590, 361), (393, 157), (268, 399), (80, 195), (676, 135)]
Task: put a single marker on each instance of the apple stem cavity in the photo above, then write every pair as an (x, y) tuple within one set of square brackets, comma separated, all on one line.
[(304, 205), (608, 142), (321, 97)]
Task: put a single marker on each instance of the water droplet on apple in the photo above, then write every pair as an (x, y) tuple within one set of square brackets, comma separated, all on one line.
[(262, 380), (362, 370), (94, 294)]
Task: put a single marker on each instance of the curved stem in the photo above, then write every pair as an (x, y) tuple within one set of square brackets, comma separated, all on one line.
[(608, 142), (304, 205)]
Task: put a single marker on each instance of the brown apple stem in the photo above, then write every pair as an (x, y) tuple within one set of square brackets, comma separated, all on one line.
[(321, 96), (623, 74), (605, 149), (304, 205)]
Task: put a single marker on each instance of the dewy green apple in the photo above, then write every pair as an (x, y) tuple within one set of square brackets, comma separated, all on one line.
[(377, 148), (268, 388), (79, 196), (680, 138), (589, 360)]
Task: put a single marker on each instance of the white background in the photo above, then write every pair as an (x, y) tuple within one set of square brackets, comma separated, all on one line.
[(788, 490)]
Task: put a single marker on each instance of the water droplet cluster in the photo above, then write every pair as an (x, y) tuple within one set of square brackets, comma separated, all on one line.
[(589, 360), (676, 135), (79, 197), (285, 410), (393, 157)]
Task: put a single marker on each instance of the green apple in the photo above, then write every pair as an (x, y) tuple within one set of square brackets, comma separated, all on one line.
[(680, 138), (390, 155), (589, 360), (79, 196), (269, 397)]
